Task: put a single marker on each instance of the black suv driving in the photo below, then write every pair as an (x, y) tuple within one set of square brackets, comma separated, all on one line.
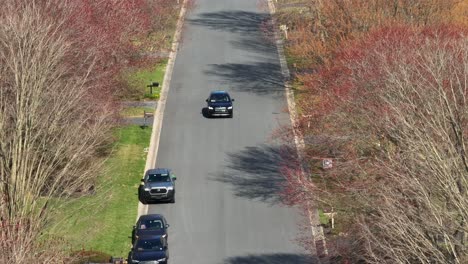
[(149, 249), (220, 104), (150, 224)]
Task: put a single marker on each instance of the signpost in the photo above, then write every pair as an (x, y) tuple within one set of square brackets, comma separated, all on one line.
[(146, 116), (327, 163), (153, 84), (284, 28), (331, 215)]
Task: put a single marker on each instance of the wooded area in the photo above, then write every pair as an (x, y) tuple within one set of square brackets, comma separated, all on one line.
[(59, 68), (381, 89)]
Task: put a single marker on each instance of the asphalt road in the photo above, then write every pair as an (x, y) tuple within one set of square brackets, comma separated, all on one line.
[(228, 208)]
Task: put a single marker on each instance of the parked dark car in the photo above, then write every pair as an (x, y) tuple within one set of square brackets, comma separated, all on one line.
[(149, 249), (220, 104), (151, 224), (158, 185)]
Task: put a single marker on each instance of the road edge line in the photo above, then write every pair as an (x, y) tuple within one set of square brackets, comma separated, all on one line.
[(298, 139), (159, 112)]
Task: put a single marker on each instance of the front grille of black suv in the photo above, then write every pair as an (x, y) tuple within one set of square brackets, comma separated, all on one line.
[(158, 190)]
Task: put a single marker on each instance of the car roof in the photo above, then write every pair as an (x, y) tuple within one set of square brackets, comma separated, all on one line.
[(219, 92), (151, 216), (158, 171)]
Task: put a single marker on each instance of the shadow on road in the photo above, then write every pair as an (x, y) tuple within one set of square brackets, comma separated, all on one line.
[(255, 29), (272, 259), (261, 78), (257, 44), (231, 21), (255, 173)]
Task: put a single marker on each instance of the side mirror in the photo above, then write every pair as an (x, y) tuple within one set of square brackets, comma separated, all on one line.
[(206, 100), (173, 177), (142, 180), (167, 225), (232, 99)]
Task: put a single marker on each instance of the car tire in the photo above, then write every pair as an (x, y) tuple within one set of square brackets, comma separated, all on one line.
[(143, 199), (173, 199), (231, 115)]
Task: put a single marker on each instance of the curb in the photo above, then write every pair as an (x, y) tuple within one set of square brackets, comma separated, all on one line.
[(158, 115), (315, 228)]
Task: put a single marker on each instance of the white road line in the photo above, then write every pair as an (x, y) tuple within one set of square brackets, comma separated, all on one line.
[(159, 113), (298, 139)]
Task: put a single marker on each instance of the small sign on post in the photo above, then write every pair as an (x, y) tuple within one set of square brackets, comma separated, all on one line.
[(284, 28), (327, 163), (153, 84), (146, 116), (331, 216)]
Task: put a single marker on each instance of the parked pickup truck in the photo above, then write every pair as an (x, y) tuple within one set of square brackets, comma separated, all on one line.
[(157, 185)]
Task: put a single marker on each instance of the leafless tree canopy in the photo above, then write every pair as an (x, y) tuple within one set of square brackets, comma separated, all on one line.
[(50, 128), (421, 205), (397, 125)]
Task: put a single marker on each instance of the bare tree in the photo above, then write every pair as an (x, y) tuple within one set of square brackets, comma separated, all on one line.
[(421, 204), (392, 112), (50, 129), (320, 28)]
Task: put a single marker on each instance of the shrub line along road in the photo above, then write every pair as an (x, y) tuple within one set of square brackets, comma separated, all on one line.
[(228, 207)]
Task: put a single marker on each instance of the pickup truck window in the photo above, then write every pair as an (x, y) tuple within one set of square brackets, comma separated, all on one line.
[(159, 178)]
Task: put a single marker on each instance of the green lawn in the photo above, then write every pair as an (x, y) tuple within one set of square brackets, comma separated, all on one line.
[(135, 111), (103, 221), (324, 220), (139, 79)]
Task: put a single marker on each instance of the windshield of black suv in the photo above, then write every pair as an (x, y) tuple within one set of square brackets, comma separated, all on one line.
[(162, 177), (153, 224), (216, 98), (150, 244)]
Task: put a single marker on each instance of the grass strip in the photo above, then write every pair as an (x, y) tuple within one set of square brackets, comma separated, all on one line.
[(103, 221), (135, 111), (140, 78)]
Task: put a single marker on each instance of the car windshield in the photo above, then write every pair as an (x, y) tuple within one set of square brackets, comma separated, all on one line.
[(161, 177), (149, 244), (152, 224), (219, 98)]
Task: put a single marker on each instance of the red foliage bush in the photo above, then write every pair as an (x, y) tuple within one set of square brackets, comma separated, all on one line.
[(364, 106), (107, 36)]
